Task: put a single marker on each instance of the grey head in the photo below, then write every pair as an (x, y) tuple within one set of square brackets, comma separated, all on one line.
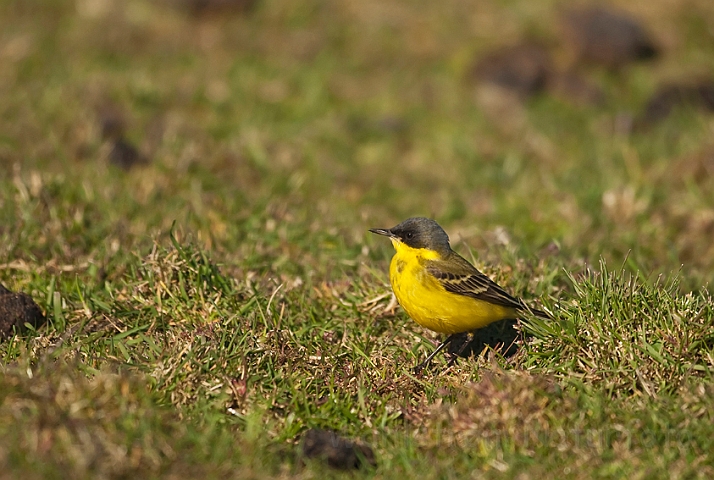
[(418, 232)]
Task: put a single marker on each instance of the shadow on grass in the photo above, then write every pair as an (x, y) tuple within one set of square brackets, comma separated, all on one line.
[(502, 337)]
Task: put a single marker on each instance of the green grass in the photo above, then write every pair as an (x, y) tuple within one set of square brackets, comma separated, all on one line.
[(208, 308)]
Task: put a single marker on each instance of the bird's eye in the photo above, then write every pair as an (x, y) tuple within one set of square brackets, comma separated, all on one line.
[(409, 235)]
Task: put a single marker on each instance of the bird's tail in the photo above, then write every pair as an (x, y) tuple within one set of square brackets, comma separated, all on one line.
[(526, 310)]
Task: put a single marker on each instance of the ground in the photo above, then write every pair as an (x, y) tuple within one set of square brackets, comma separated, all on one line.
[(186, 192)]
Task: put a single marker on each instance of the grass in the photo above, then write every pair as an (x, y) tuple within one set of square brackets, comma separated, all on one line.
[(208, 308)]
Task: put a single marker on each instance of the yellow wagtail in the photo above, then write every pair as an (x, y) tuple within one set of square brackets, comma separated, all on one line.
[(439, 288)]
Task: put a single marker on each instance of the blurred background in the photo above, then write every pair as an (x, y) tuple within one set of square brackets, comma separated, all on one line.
[(278, 131)]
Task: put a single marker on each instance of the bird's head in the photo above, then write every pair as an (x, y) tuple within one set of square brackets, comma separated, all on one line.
[(417, 233)]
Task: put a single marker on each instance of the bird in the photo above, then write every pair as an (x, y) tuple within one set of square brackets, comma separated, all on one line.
[(439, 289)]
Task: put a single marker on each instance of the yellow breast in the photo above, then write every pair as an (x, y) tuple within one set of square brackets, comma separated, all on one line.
[(427, 302)]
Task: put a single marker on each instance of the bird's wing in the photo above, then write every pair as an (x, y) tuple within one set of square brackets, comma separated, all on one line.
[(458, 276)]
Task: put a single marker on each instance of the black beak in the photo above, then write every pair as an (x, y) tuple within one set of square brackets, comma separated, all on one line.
[(382, 231)]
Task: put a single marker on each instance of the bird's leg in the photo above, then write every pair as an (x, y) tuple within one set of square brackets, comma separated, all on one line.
[(426, 362), (469, 338)]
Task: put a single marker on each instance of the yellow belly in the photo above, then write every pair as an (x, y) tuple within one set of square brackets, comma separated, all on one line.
[(431, 306)]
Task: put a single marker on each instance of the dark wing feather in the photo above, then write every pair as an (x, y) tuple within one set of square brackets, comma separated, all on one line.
[(458, 276)]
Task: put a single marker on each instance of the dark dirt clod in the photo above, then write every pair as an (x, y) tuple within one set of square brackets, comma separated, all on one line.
[(125, 155), (607, 37), (207, 7), (676, 95), (16, 309), (337, 451), (523, 69)]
